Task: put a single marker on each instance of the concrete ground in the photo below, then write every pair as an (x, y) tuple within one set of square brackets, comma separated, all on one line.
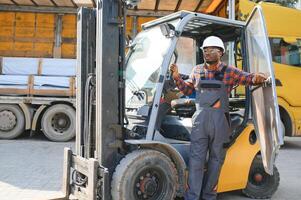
[(31, 168)]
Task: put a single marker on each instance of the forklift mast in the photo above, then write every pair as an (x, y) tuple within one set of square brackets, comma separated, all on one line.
[(99, 102)]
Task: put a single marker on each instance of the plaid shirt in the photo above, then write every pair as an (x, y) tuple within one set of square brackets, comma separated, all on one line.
[(232, 77)]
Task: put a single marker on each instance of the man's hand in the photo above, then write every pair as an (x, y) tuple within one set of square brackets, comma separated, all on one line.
[(259, 78), (174, 71)]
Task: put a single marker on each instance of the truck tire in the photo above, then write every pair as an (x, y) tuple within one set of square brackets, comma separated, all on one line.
[(58, 123), (145, 174), (12, 121), (260, 184)]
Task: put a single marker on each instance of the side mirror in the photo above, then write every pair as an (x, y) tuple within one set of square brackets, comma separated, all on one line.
[(168, 30)]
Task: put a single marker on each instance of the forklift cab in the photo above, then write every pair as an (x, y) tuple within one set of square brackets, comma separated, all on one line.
[(158, 117)]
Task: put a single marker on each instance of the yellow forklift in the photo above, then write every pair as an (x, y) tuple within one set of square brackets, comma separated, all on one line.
[(133, 130)]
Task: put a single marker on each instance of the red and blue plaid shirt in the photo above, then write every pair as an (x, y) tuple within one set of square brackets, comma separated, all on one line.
[(232, 76)]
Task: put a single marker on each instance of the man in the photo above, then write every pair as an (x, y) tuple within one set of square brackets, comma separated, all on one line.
[(212, 82)]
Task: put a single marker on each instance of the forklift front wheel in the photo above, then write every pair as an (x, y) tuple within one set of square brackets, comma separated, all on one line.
[(260, 184), (145, 174)]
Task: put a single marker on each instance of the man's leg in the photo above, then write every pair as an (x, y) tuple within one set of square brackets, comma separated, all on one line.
[(217, 154), (197, 159)]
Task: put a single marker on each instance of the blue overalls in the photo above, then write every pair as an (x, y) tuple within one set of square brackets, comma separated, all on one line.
[(210, 131)]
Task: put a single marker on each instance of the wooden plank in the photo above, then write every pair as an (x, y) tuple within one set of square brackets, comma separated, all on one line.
[(68, 50), (142, 20), (148, 13), (44, 2), (213, 6), (147, 4), (23, 46), (69, 26), (178, 5), (43, 50), (204, 6), (189, 5), (27, 53), (87, 3), (39, 9), (25, 39), (13, 91), (24, 2), (6, 46), (167, 5), (24, 28), (8, 2), (66, 3)]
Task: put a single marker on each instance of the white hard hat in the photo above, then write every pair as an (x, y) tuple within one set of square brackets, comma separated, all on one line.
[(213, 41)]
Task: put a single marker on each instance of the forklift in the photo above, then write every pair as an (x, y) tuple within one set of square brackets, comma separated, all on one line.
[(133, 128)]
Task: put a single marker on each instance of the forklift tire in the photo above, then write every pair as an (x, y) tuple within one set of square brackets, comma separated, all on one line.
[(12, 121), (58, 123), (145, 174), (260, 184)]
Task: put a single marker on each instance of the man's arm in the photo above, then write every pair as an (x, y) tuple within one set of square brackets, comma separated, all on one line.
[(244, 78), (186, 87)]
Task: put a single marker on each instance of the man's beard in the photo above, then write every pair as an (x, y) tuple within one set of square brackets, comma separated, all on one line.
[(211, 62)]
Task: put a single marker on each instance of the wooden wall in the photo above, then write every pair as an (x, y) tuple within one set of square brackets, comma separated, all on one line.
[(24, 34)]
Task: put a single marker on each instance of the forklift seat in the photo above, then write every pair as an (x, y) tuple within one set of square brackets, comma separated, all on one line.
[(186, 108), (183, 107)]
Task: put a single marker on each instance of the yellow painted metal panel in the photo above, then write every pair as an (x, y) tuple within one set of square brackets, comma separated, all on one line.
[(235, 171), (68, 50)]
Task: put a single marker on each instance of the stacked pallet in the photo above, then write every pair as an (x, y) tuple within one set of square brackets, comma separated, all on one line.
[(37, 76)]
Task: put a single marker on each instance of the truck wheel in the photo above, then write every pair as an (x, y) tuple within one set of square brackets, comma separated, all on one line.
[(58, 123), (145, 174), (12, 121), (260, 184)]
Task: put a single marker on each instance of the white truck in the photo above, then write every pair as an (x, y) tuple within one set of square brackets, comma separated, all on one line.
[(37, 94)]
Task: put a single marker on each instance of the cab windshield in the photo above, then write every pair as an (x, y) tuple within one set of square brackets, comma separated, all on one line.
[(144, 65)]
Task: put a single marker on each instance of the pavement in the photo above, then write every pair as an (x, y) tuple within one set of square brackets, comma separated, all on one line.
[(31, 169)]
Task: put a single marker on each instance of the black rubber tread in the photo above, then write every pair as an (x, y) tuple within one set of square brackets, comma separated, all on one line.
[(48, 130), (267, 190), (131, 163), (20, 126)]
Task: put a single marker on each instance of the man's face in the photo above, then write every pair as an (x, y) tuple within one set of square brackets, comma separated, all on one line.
[(212, 54)]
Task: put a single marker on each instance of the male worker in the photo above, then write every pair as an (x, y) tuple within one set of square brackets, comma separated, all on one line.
[(212, 82)]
